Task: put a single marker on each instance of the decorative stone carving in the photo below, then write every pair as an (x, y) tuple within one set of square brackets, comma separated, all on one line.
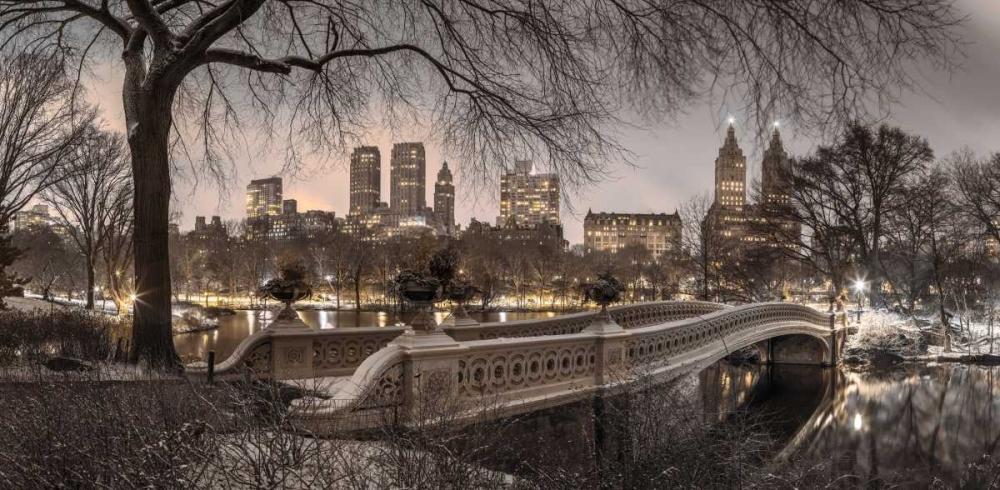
[(295, 355)]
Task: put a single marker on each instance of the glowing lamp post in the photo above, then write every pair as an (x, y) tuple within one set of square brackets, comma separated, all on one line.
[(859, 288), (329, 282)]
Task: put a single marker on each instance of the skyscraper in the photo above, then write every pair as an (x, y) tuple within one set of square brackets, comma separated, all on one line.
[(407, 177), (730, 173), (774, 182), (366, 180), (527, 198), (264, 198), (444, 199)]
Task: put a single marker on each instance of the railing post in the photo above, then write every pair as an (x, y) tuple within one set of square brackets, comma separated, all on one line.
[(211, 366), (291, 352), (611, 347)]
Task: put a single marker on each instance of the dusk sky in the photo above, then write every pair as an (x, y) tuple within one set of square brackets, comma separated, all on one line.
[(675, 161)]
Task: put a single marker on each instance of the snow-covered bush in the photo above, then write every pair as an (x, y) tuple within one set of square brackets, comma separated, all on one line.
[(885, 332)]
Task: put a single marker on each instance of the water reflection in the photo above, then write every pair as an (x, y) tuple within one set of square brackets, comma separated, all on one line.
[(909, 425), (233, 329)]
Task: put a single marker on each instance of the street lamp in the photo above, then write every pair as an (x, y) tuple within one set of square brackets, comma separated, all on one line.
[(329, 281), (97, 290), (859, 288)]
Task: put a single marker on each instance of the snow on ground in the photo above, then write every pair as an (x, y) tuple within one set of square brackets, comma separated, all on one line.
[(102, 372), (29, 303), (967, 337)]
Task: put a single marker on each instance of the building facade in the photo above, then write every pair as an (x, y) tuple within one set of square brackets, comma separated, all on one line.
[(264, 198), (36, 216), (366, 180), (659, 233), (408, 176), (774, 172), (527, 198), (444, 200), (728, 214), (546, 235)]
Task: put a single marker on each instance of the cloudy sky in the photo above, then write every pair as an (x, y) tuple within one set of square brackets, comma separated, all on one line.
[(673, 161)]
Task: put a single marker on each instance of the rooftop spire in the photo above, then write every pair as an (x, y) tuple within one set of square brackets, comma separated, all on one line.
[(776, 144), (730, 143)]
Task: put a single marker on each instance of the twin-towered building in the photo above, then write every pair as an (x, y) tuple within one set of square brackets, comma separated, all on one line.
[(407, 208), (730, 213), (529, 201)]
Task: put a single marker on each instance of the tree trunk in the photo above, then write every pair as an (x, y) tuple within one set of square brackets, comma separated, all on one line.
[(357, 294), (90, 282), (148, 138)]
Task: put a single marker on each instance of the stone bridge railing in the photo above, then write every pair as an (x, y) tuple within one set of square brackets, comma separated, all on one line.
[(524, 374), (339, 352), (628, 316)]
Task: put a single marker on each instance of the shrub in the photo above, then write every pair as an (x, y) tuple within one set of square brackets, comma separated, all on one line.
[(884, 332), (28, 337)]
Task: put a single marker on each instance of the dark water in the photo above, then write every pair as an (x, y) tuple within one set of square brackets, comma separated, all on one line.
[(233, 329), (906, 426)]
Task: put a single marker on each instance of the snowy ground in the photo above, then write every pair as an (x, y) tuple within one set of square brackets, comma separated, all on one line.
[(30, 303), (967, 337)]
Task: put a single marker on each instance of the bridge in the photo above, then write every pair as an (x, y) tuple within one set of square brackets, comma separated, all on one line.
[(521, 366)]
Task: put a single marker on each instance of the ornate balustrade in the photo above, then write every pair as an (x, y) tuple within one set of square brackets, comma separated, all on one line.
[(339, 352), (628, 316), (335, 352), (527, 373)]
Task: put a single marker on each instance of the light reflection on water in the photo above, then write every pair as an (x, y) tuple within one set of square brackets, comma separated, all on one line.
[(233, 329), (907, 425)]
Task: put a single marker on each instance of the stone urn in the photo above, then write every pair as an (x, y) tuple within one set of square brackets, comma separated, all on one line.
[(421, 291), (460, 293), (606, 290), (290, 286)]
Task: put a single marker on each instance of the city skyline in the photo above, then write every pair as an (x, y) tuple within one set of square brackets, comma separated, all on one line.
[(674, 160)]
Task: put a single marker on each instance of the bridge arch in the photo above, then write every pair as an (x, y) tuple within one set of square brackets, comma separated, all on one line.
[(528, 365)]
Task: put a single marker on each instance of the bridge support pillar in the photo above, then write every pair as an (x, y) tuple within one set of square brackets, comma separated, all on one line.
[(611, 339), (292, 354), (428, 373)]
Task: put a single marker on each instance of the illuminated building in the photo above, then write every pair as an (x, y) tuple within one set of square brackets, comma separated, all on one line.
[(444, 200), (774, 172), (366, 180), (727, 213), (37, 216), (264, 198), (407, 177), (545, 235), (659, 233), (528, 198)]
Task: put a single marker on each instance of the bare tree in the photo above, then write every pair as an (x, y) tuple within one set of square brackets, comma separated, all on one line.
[(116, 250), (40, 125), (841, 197), (703, 244), (498, 77), (977, 182), (85, 191), (45, 261)]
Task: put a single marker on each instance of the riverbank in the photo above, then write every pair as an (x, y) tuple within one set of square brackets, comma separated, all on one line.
[(882, 339)]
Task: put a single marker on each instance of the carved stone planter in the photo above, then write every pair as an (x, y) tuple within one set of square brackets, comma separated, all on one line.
[(461, 295), (423, 331)]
